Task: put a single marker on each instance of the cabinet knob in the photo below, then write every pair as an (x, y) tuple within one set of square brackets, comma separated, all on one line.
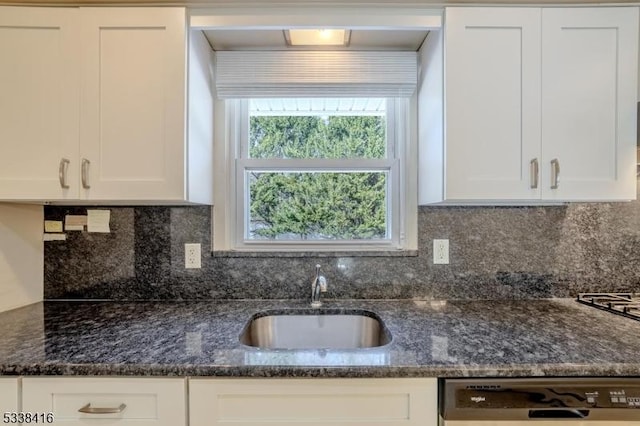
[(62, 173)]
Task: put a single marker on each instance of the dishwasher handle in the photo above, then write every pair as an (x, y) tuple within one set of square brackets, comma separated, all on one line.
[(560, 413)]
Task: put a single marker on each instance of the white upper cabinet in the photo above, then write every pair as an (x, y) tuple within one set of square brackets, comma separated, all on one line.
[(492, 114), (39, 71), (539, 104), (132, 117), (589, 78), (125, 127)]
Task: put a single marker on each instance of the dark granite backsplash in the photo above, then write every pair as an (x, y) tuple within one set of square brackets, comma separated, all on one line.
[(495, 252)]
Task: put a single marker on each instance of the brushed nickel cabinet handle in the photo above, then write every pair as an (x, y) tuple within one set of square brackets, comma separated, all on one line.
[(62, 173), (85, 173), (555, 173), (88, 409), (534, 171)]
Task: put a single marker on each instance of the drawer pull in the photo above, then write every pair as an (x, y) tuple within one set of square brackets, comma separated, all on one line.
[(88, 409)]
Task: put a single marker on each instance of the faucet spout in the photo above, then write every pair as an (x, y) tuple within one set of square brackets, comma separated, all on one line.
[(318, 286)]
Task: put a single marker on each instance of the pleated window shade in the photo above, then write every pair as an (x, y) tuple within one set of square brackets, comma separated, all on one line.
[(279, 74)]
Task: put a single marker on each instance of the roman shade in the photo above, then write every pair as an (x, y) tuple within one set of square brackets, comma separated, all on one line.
[(276, 74)]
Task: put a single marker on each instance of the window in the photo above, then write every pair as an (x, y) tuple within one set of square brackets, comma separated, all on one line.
[(315, 174)]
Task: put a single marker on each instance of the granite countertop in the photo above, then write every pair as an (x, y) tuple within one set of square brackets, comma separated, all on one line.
[(554, 337)]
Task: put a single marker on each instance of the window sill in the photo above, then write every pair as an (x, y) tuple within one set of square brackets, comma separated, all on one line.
[(343, 253)]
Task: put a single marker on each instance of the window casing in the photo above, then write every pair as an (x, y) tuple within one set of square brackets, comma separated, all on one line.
[(240, 167)]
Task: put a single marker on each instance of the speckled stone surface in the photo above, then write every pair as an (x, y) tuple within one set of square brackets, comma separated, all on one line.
[(495, 252), (557, 337)]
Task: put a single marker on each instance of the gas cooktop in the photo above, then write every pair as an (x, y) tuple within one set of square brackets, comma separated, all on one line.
[(625, 304)]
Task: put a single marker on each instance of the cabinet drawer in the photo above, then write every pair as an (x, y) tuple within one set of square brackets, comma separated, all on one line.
[(140, 402), (8, 395), (244, 402)]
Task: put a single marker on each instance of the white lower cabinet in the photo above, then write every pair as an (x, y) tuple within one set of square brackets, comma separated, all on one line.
[(317, 402), (225, 401), (113, 401), (8, 396)]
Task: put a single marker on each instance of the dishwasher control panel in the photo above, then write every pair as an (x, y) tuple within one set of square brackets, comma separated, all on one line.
[(510, 399)]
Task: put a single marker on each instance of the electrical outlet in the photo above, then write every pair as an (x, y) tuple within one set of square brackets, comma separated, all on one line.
[(192, 256), (440, 252)]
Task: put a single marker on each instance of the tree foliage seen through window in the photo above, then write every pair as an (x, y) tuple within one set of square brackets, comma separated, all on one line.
[(317, 205)]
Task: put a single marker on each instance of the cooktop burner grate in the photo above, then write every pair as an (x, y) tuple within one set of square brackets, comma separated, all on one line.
[(625, 304)]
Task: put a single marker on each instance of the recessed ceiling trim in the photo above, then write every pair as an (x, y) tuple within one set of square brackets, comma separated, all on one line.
[(265, 40)]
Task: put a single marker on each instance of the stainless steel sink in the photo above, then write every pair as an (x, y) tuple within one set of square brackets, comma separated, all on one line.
[(313, 330)]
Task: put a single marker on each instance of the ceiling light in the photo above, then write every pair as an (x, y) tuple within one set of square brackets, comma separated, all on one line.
[(317, 37)]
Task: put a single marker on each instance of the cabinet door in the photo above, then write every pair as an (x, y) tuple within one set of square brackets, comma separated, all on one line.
[(317, 402), (39, 54), (132, 122), (8, 396), (492, 103), (123, 401), (589, 78)]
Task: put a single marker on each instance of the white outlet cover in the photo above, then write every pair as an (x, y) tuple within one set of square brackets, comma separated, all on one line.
[(192, 256), (440, 252)]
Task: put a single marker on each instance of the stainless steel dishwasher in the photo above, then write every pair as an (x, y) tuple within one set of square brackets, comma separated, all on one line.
[(548, 401)]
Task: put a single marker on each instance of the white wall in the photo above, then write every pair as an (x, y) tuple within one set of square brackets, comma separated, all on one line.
[(21, 255)]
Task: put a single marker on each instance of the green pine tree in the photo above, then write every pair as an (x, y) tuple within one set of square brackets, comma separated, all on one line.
[(318, 205)]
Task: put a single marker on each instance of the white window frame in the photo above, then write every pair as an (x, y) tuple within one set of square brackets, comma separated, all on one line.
[(231, 190)]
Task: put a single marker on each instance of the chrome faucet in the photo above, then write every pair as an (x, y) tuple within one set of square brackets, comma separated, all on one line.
[(318, 285)]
